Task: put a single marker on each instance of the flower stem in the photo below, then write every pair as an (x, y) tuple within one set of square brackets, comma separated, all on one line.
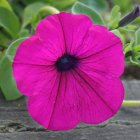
[(131, 103)]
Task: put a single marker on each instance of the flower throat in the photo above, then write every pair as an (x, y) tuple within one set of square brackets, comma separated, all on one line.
[(66, 62)]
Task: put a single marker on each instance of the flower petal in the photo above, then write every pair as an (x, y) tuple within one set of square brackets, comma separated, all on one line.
[(63, 102), (73, 27), (41, 105), (33, 51), (33, 67), (102, 96), (105, 56), (98, 39), (49, 31)]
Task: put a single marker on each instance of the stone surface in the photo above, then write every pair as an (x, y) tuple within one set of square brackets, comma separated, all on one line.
[(16, 124)]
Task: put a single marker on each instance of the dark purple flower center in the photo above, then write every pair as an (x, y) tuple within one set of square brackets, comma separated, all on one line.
[(66, 62)]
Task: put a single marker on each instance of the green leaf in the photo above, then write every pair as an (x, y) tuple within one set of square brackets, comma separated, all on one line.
[(1, 55), (136, 21), (5, 4), (10, 52), (9, 22), (133, 61), (32, 11), (137, 35), (99, 5), (125, 5), (17, 7), (61, 4), (35, 20), (128, 28), (34, 1), (117, 33), (115, 17), (137, 58), (79, 8), (3, 39), (23, 33), (136, 49), (136, 54), (128, 50), (48, 9), (7, 82)]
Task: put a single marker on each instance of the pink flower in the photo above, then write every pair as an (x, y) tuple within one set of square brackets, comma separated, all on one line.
[(70, 72)]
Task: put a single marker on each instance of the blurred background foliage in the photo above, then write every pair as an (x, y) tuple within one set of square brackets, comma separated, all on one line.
[(19, 18)]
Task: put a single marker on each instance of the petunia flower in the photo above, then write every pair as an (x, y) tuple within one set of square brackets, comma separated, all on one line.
[(70, 70)]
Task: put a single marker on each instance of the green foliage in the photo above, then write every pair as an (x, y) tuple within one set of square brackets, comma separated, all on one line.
[(7, 82), (3, 40), (9, 21), (115, 17), (33, 1), (128, 29), (133, 49), (60, 4), (125, 5), (128, 50), (98, 5), (23, 33), (5, 4), (32, 11), (81, 8), (137, 35)]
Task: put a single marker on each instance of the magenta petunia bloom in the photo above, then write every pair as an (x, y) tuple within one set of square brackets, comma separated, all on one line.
[(70, 70)]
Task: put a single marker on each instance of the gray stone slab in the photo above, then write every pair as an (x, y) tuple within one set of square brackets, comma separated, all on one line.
[(108, 132)]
